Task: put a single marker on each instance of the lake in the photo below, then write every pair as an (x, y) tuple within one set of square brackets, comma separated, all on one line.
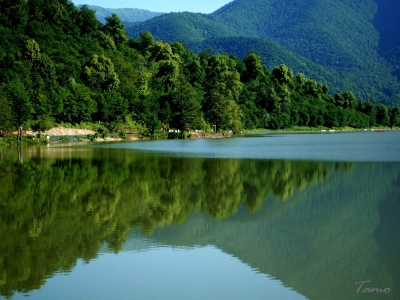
[(274, 216)]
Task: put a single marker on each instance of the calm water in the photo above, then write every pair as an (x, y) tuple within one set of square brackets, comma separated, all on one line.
[(304, 216)]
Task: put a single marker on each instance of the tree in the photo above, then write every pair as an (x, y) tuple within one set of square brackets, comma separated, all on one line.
[(146, 40), (115, 29), (349, 100), (162, 51), (222, 84), (87, 21), (43, 123), (395, 117), (112, 106), (22, 110), (6, 117), (254, 67), (283, 74), (382, 115), (235, 115), (80, 106), (149, 114), (370, 111), (186, 107), (99, 74)]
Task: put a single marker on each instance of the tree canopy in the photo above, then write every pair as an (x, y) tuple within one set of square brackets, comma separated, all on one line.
[(60, 65)]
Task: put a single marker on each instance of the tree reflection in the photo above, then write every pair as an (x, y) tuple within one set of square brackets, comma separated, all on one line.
[(56, 209)]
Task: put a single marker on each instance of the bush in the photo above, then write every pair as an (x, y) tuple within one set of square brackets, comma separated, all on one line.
[(90, 137), (43, 123), (122, 135)]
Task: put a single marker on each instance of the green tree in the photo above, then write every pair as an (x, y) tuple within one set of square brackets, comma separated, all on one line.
[(99, 74), (222, 84), (186, 107), (112, 106), (395, 117), (6, 116), (149, 114), (371, 112), (87, 21), (80, 105), (382, 115), (145, 42), (254, 67), (283, 74), (17, 95), (43, 123), (115, 29), (189, 63)]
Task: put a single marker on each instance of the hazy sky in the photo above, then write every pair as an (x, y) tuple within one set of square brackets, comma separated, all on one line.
[(203, 6)]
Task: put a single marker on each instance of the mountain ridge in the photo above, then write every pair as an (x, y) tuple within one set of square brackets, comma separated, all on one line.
[(125, 14), (339, 35)]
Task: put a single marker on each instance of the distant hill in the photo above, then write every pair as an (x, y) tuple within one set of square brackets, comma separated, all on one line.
[(387, 22), (127, 15), (350, 37)]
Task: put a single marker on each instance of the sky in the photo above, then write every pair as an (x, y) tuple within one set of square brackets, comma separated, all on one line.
[(203, 6)]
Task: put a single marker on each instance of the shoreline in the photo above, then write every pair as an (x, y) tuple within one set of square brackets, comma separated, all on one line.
[(59, 135), (320, 131)]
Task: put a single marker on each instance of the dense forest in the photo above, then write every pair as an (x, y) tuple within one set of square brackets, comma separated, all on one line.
[(354, 43), (59, 64)]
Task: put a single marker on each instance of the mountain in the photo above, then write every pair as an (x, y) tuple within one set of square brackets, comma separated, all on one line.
[(127, 15), (387, 23), (350, 37)]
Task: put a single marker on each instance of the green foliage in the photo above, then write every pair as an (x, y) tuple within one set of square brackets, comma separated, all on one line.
[(80, 106), (336, 42), (382, 115), (43, 123), (395, 117), (64, 139), (6, 114), (59, 64), (112, 106), (186, 104), (222, 90), (115, 29), (87, 21), (99, 74), (17, 95)]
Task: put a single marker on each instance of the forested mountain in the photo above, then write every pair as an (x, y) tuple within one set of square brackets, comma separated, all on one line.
[(350, 37), (274, 54), (128, 16), (59, 64), (387, 22)]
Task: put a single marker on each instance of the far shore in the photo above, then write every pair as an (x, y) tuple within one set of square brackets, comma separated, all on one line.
[(63, 134), (290, 131)]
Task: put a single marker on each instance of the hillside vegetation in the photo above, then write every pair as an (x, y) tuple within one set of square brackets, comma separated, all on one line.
[(59, 64), (349, 37)]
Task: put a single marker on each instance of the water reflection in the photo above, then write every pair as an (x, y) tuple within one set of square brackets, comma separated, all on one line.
[(309, 224)]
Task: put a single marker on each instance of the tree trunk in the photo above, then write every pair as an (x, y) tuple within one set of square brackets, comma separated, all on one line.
[(20, 134)]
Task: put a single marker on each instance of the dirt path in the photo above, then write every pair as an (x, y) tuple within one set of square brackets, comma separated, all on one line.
[(62, 131)]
